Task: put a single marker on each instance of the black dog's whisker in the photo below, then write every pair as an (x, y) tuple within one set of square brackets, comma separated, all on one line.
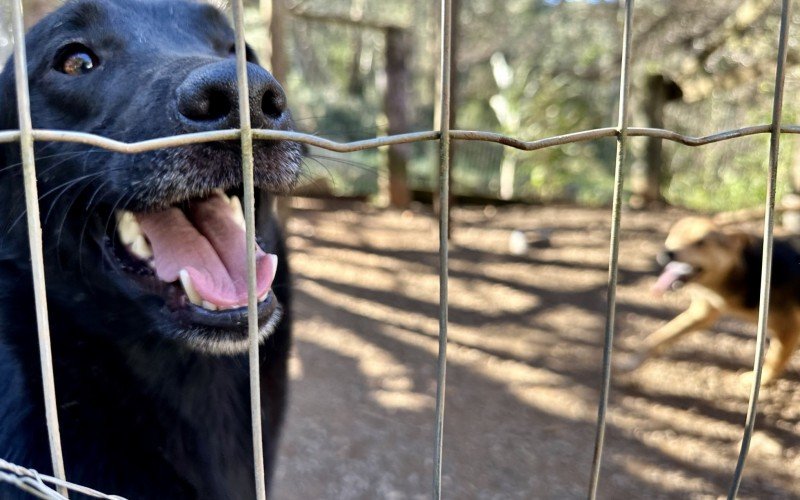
[(127, 195), (87, 216), (95, 193), (318, 162), (306, 174), (90, 210), (68, 154), (60, 188), (350, 163), (84, 185)]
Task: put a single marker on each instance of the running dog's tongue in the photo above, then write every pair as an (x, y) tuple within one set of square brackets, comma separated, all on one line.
[(210, 245), (672, 273)]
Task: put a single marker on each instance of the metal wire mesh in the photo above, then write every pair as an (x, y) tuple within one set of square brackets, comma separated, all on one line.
[(34, 483), (444, 208), (613, 258), (39, 485), (766, 266)]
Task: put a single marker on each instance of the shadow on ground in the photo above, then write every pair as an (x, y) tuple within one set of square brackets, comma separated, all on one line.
[(524, 366)]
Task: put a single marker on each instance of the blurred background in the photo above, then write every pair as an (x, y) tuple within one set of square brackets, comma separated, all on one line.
[(526, 326)]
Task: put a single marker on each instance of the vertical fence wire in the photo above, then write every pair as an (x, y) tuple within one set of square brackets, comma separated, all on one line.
[(613, 258), (26, 138), (35, 243), (444, 216), (766, 262), (250, 231)]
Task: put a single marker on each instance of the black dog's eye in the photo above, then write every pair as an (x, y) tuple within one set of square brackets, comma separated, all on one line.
[(76, 59)]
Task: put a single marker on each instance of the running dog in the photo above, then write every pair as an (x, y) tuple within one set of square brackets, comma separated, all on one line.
[(723, 270)]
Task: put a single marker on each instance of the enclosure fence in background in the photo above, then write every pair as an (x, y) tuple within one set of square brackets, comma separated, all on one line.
[(42, 486)]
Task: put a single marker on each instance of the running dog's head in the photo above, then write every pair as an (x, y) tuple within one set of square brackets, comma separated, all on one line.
[(150, 242), (697, 251)]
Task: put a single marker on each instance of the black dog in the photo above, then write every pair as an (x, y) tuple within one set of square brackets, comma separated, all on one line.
[(145, 255)]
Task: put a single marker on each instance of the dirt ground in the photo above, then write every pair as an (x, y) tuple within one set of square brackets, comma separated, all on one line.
[(524, 366)]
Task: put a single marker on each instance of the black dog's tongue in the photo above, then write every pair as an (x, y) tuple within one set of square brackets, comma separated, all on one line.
[(673, 273), (207, 246)]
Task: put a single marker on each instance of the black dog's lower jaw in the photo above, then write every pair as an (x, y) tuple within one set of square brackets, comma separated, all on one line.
[(144, 256)]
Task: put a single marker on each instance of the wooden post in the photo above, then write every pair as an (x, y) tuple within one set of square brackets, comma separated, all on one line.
[(273, 15), (649, 164), (396, 97), (277, 36), (398, 81)]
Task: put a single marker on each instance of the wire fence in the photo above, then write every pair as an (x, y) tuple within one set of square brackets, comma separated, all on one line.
[(42, 486)]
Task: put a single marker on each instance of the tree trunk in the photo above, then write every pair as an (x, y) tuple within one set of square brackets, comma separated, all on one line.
[(355, 84), (396, 105), (273, 14), (648, 172)]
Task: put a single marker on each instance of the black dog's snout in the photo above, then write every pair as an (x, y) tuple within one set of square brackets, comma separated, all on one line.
[(665, 257), (208, 98)]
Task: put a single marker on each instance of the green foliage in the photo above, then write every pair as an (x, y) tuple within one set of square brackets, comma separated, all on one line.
[(561, 75), (538, 68)]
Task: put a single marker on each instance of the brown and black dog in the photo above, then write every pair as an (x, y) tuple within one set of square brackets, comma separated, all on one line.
[(723, 269)]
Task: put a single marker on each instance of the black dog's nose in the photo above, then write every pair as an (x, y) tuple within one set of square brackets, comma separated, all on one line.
[(665, 257), (208, 98)]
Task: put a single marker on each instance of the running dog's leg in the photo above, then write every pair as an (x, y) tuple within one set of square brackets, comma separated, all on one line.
[(781, 346), (700, 314)]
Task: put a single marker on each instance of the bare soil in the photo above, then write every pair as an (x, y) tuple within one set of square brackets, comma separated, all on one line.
[(523, 377)]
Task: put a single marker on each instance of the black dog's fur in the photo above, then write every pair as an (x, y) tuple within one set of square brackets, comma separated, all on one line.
[(143, 413)]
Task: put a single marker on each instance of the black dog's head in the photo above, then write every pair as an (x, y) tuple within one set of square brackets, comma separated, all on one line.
[(153, 241)]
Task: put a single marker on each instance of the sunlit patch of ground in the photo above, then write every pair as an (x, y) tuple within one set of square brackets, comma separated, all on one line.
[(524, 366)]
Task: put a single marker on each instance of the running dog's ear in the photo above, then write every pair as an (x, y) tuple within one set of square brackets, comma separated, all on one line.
[(736, 240)]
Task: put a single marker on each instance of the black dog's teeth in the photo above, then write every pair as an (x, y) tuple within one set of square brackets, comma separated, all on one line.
[(131, 236), (125, 260)]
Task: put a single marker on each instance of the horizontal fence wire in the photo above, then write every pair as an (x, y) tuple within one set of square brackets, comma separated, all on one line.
[(173, 141), (39, 484)]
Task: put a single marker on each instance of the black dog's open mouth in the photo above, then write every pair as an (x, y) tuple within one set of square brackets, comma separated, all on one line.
[(194, 256)]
